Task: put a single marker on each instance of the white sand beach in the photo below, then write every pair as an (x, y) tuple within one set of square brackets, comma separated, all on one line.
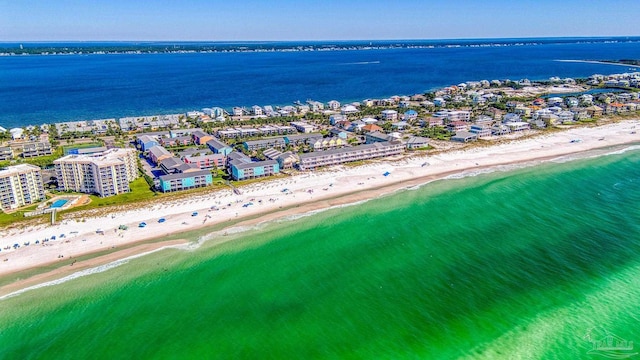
[(287, 196)]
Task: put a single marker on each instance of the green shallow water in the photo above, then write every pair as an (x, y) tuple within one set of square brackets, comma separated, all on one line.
[(518, 264)]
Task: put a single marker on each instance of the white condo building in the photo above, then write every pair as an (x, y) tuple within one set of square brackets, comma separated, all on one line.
[(107, 173), (20, 185)]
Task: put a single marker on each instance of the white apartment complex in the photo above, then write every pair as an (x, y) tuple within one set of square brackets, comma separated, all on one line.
[(20, 185), (107, 173)]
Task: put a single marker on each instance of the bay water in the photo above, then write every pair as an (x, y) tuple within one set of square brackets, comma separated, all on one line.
[(55, 88)]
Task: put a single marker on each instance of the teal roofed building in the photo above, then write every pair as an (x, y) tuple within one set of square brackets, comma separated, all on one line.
[(410, 115)]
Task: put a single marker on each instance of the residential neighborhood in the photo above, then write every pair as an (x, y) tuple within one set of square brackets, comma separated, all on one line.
[(199, 148)]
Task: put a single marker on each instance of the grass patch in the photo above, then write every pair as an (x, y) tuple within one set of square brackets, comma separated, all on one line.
[(139, 191), (7, 219)]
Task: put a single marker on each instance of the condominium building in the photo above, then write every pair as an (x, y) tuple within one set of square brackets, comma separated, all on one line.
[(241, 167), (481, 131), (184, 181), (356, 153), (36, 149), (275, 142), (107, 173), (20, 185), (6, 153)]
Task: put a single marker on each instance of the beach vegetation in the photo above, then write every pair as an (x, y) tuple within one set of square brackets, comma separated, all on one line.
[(8, 218), (436, 132), (5, 135), (140, 191), (45, 160)]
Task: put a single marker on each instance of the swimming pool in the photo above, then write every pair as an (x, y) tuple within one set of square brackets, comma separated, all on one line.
[(58, 203)]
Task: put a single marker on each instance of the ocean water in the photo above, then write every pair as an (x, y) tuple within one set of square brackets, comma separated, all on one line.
[(532, 263), (45, 89)]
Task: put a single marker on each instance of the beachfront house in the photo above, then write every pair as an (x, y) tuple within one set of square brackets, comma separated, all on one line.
[(464, 136), (348, 110), (549, 118), (256, 110), (417, 142), (315, 106), (237, 111), (566, 117), (500, 129), (333, 105), (594, 111), (481, 131), (518, 126)]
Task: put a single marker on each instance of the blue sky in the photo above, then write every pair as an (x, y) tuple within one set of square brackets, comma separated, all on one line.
[(51, 20)]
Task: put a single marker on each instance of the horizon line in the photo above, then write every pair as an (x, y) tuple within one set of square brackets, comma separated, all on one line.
[(324, 40)]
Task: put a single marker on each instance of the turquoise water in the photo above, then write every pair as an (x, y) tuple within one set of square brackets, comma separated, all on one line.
[(58, 203), (531, 263)]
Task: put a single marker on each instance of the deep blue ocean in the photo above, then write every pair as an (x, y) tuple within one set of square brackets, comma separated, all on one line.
[(39, 89)]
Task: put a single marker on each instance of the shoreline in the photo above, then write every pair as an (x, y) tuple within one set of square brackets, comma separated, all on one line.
[(600, 63), (57, 274), (306, 193)]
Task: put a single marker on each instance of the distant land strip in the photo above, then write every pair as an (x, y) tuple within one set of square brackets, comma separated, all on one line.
[(81, 48), (624, 62)]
